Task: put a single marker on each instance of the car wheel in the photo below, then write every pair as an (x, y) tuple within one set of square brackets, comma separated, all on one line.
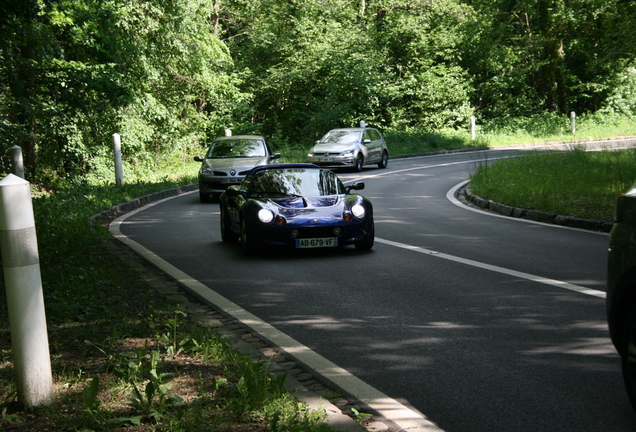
[(247, 243), (384, 161), (227, 235), (203, 197), (367, 242), (359, 163), (628, 356)]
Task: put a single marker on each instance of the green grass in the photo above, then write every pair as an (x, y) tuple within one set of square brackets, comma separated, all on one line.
[(575, 183)]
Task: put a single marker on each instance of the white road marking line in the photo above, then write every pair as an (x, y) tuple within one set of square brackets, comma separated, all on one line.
[(502, 270), (405, 417), (384, 173)]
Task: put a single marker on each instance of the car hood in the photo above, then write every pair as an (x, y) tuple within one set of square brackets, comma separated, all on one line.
[(306, 202), (332, 148), (239, 164), (310, 210)]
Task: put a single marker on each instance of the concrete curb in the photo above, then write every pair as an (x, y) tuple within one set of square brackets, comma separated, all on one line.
[(135, 203), (467, 195)]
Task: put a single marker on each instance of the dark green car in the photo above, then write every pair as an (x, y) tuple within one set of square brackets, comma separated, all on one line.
[(621, 288)]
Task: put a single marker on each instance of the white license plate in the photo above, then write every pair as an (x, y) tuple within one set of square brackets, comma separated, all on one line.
[(316, 242), (323, 159), (232, 180)]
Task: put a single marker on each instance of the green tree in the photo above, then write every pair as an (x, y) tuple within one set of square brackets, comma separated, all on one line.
[(421, 42), (181, 77), (318, 65), (530, 56), (60, 81), (74, 72)]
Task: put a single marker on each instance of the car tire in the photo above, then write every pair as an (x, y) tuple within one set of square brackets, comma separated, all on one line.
[(227, 235), (248, 245), (628, 356), (203, 197), (357, 167), (367, 242), (384, 160)]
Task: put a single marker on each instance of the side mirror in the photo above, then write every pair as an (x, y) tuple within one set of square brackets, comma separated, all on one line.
[(198, 159), (355, 186), (366, 141), (275, 156)]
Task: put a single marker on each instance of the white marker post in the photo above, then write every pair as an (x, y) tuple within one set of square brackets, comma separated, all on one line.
[(473, 128), (573, 122), (25, 300), (119, 172), (16, 161)]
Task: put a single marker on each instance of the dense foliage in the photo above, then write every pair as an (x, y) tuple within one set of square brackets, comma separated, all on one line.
[(169, 74)]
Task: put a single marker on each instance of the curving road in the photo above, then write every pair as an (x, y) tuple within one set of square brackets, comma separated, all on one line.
[(456, 321)]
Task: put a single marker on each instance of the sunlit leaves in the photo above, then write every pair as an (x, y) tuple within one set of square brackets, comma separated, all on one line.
[(534, 55)]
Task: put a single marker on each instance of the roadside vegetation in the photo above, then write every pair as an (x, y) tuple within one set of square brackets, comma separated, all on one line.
[(573, 183)]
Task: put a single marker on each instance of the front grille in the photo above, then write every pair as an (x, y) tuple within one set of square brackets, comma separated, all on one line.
[(224, 174)]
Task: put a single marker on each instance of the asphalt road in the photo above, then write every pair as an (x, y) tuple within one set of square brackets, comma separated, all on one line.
[(476, 322)]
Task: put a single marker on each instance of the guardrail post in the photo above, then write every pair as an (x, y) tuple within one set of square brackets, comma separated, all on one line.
[(25, 300), (16, 161), (119, 172)]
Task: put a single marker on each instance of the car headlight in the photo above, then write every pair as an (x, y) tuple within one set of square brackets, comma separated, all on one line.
[(347, 153), (358, 211), (265, 215), (205, 171)]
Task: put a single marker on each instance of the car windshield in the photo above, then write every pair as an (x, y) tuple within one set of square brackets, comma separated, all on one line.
[(341, 137), (295, 181), (236, 148)]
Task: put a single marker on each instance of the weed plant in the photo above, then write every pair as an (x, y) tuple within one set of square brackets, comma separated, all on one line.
[(575, 182)]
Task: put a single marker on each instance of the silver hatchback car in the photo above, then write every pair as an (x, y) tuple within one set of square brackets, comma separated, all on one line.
[(228, 160), (350, 148)]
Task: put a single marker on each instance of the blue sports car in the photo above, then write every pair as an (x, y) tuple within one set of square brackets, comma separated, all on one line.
[(296, 205)]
